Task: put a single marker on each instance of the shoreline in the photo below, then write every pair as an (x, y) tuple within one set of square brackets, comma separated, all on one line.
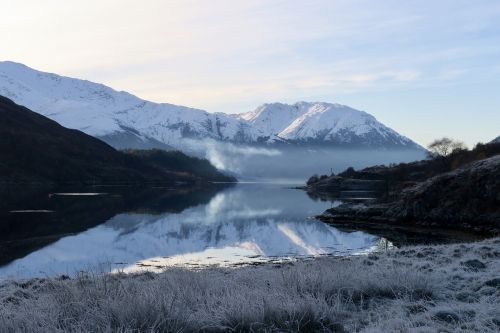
[(466, 198), (404, 234)]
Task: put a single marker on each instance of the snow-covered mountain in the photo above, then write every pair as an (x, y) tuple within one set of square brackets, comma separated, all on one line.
[(323, 123), (114, 116), (124, 120)]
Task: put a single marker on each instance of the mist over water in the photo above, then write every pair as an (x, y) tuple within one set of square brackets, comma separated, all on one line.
[(293, 164)]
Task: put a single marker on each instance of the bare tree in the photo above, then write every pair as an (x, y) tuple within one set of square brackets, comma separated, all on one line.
[(445, 146)]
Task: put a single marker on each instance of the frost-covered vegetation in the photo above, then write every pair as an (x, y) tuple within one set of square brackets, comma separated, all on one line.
[(452, 288)]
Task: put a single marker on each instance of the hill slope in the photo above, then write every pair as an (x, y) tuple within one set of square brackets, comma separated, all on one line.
[(467, 197), (35, 148)]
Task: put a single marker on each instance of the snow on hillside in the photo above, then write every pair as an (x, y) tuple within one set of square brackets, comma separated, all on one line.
[(125, 120), (273, 118), (101, 111), (323, 122)]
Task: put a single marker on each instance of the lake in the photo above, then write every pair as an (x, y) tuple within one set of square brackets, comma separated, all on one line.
[(54, 231)]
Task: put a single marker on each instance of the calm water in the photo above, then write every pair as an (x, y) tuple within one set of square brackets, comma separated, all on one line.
[(48, 232)]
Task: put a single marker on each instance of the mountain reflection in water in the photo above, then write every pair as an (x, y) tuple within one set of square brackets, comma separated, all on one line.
[(150, 228)]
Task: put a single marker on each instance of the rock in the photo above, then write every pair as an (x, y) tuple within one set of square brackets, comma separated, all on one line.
[(474, 264), (446, 316)]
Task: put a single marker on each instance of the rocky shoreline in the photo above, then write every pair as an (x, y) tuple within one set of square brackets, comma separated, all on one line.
[(467, 198)]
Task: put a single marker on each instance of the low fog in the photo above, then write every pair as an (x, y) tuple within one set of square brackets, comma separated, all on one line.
[(291, 164)]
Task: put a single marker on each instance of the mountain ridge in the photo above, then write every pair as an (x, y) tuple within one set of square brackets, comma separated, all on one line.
[(321, 121), (126, 121)]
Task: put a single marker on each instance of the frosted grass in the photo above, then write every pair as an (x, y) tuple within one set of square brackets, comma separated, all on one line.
[(415, 289)]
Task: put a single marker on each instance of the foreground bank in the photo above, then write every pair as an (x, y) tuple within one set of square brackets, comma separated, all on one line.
[(452, 288)]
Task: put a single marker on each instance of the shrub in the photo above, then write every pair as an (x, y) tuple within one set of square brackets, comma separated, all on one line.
[(312, 180)]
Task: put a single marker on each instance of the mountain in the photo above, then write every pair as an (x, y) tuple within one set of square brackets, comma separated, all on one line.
[(497, 140), (126, 121), (35, 148), (118, 118), (323, 123)]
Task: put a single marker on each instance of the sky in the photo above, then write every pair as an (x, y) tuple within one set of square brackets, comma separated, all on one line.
[(426, 68)]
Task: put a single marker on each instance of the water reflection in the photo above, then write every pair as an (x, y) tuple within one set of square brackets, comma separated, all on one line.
[(241, 224), (33, 217)]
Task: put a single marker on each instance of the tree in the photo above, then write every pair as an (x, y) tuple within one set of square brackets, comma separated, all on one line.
[(348, 173), (313, 179), (445, 146)]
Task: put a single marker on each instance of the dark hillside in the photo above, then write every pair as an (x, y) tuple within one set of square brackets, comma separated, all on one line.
[(176, 161), (34, 148), (467, 198)]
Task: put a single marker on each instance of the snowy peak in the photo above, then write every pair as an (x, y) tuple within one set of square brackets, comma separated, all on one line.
[(126, 121), (322, 122), (271, 119)]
